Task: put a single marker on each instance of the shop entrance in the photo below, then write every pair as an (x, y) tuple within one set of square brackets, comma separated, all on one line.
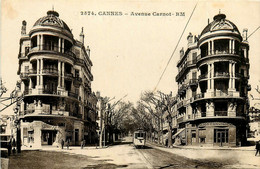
[(48, 137), (221, 137)]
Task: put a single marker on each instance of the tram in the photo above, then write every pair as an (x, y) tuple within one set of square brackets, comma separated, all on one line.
[(139, 138)]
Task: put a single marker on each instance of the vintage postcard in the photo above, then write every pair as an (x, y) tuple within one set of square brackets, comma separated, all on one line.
[(129, 84)]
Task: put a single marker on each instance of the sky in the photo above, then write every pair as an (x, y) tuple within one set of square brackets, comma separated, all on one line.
[(129, 53)]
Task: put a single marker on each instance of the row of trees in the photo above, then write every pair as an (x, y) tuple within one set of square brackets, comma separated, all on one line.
[(150, 112)]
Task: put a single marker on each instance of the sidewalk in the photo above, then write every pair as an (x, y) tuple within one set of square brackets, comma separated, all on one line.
[(240, 157)]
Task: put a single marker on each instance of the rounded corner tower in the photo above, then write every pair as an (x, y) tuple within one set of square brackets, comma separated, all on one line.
[(213, 86), (55, 70)]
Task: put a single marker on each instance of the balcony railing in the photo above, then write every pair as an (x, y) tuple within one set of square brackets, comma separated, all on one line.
[(220, 113), (46, 91), (33, 71), (185, 66), (71, 94), (68, 75), (77, 80), (196, 97), (203, 76), (53, 48), (221, 74), (50, 71), (221, 93), (182, 88), (203, 114), (180, 119), (218, 52), (193, 82), (215, 94), (24, 75)]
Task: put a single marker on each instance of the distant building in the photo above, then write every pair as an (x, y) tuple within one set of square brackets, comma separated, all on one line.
[(55, 70), (212, 79), (254, 122)]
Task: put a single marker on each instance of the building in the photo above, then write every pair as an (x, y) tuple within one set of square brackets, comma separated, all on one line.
[(55, 70), (212, 79), (254, 123)]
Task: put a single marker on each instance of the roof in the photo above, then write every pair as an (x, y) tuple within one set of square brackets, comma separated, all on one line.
[(52, 19), (220, 23)]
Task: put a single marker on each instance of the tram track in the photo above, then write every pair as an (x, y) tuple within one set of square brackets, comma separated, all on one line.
[(159, 159)]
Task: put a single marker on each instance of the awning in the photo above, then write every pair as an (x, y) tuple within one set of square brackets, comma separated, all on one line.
[(178, 133)]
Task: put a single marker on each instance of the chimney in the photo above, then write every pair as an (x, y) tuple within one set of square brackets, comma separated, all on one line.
[(23, 31), (245, 30), (98, 94), (81, 36)]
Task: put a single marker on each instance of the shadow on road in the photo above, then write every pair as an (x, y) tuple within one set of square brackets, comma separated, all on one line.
[(145, 147)]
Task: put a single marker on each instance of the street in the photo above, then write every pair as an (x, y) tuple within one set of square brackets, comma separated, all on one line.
[(125, 155)]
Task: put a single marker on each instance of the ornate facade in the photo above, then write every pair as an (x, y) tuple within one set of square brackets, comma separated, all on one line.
[(213, 86), (55, 70)]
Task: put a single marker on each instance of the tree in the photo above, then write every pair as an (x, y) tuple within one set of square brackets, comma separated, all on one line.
[(151, 102), (160, 105)]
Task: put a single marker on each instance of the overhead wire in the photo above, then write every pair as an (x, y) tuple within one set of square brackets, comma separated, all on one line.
[(253, 32), (175, 48)]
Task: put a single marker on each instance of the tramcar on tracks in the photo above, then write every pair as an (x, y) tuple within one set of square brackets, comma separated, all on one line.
[(139, 138)]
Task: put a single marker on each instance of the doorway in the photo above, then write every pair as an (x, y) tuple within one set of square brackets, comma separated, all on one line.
[(221, 137)]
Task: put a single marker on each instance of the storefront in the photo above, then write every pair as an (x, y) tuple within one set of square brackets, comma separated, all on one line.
[(211, 134)]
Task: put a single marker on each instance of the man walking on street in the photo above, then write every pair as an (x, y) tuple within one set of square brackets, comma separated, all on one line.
[(257, 147), (62, 143), (68, 144)]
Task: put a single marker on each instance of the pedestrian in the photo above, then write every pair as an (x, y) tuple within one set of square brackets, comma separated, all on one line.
[(9, 147), (82, 143), (68, 144), (13, 143), (62, 143), (257, 147)]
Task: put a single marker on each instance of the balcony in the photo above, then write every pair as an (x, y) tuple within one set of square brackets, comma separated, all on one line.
[(220, 113), (68, 75), (203, 76), (53, 49), (24, 75), (182, 89), (215, 94), (40, 110), (197, 97), (46, 91), (32, 72), (53, 72), (193, 82), (216, 52), (180, 119), (181, 104), (185, 66), (77, 81), (74, 95), (221, 74)]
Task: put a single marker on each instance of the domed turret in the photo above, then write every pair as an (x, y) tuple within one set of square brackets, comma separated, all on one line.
[(220, 23), (52, 19)]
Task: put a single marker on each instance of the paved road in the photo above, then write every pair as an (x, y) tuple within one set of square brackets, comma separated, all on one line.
[(123, 155)]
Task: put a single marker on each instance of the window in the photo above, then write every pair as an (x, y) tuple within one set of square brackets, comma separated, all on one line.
[(26, 69), (194, 56), (26, 50), (76, 73)]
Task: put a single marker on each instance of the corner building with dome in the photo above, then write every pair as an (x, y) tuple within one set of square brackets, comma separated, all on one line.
[(55, 73), (212, 100)]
